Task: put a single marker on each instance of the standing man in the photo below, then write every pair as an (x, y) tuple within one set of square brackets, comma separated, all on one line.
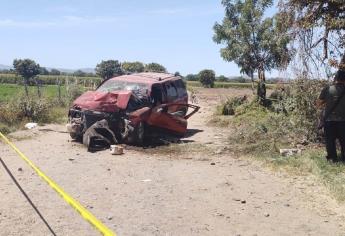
[(332, 99)]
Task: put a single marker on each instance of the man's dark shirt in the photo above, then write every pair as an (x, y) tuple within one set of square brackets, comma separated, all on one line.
[(330, 95)]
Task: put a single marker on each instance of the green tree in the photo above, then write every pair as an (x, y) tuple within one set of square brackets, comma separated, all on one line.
[(154, 67), (207, 78), (55, 72), (27, 69), (238, 79), (108, 69), (253, 42), (133, 67), (44, 71), (319, 26), (222, 78), (79, 73), (192, 77)]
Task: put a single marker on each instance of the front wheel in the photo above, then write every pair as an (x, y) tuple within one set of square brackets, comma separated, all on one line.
[(76, 137)]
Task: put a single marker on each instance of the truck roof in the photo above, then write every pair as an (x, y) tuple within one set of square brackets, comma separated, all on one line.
[(147, 77)]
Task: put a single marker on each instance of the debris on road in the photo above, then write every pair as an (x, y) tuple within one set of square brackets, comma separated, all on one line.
[(30, 125), (146, 180), (116, 149), (290, 152)]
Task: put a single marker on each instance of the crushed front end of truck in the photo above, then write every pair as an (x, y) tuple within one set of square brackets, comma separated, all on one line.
[(100, 119)]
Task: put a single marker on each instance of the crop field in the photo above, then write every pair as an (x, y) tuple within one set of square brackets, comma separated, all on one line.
[(51, 79), (11, 91)]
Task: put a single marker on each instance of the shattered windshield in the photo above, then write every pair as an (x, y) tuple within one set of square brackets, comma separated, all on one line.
[(117, 85)]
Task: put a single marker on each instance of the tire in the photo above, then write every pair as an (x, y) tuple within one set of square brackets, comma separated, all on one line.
[(76, 137)]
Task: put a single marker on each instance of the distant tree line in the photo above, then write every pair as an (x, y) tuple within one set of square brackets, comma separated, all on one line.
[(29, 70), (221, 78), (45, 71), (105, 69), (207, 78), (110, 68)]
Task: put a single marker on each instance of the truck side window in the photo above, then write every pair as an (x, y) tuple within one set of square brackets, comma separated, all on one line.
[(171, 92), (181, 88), (157, 94)]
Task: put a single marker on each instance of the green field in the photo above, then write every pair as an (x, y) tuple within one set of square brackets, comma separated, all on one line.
[(11, 91), (52, 79)]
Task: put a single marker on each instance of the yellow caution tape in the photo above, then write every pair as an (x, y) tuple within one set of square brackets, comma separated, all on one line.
[(71, 201)]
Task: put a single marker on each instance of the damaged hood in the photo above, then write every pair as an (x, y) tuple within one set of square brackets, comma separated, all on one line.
[(103, 101)]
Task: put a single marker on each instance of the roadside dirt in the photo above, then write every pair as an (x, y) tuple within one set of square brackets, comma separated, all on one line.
[(197, 189)]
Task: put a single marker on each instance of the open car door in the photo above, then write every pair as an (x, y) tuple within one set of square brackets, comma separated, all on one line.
[(175, 122)]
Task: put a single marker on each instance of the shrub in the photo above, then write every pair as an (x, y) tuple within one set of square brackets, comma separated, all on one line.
[(5, 129), (256, 129), (37, 110), (229, 106), (290, 119), (73, 91), (24, 108), (301, 105), (32, 108), (8, 115)]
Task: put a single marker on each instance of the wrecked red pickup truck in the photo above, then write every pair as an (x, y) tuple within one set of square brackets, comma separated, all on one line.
[(128, 108)]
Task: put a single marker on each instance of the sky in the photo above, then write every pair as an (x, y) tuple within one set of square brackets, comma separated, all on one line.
[(77, 34)]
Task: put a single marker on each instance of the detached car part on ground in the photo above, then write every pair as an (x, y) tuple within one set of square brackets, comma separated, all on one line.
[(129, 108)]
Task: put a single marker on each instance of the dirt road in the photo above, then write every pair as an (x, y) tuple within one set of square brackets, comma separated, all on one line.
[(196, 189)]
